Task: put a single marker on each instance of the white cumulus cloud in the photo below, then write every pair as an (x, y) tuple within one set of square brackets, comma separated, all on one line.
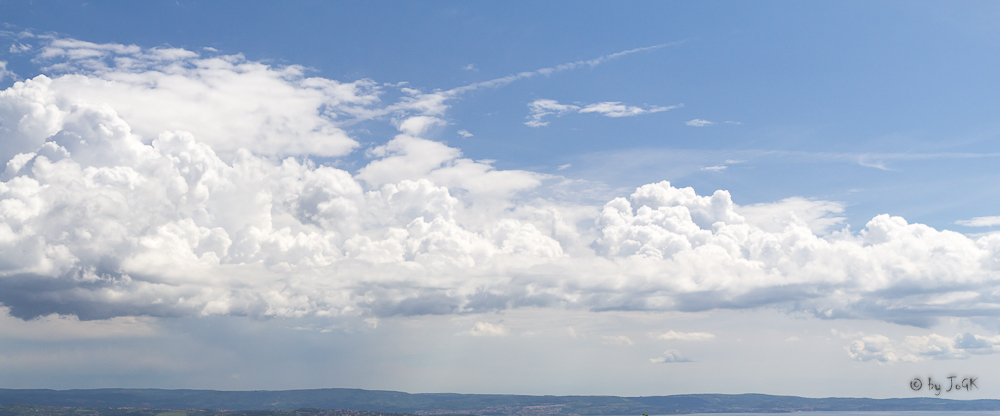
[(486, 329), (159, 182), (882, 349), (226, 101), (670, 356)]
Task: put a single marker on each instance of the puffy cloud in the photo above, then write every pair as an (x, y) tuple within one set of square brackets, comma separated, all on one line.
[(892, 270), (541, 108), (486, 329), (226, 101), (409, 157), (686, 336), (418, 125), (882, 349), (670, 356), (146, 182)]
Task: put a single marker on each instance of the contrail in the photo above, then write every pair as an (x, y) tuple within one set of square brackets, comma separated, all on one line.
[(499, 82)]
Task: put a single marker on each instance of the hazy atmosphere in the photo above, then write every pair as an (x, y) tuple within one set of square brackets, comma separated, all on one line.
[(621, 198)]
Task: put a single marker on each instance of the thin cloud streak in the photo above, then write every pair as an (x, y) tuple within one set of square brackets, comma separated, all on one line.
[(498, 82), (980, 222), (695, 160), (433, 103)]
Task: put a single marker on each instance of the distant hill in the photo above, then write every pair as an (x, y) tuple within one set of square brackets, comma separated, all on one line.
[(33, 410), (469, 404)]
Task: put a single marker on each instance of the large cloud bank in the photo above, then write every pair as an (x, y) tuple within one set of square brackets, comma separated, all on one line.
[(163, 183)]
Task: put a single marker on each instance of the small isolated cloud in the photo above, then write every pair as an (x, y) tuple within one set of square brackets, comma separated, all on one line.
[(465, 134), (698, 123), (616, 340), (486, 329), (980, 222), (723, 166), (731, 122), (670, 356), (544, 107), (882, 349), (564, 167), (471, 67), (686, 336)]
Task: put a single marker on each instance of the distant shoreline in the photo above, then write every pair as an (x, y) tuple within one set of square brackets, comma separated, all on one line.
[(440, 404)]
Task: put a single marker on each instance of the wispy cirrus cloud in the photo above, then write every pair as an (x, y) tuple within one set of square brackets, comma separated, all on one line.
[(685, 336), (434, 102), (5, 73), (702, 123), (541, 108), (617, 109), (698, 123), (617, 340), (980, 222), (547, 71)]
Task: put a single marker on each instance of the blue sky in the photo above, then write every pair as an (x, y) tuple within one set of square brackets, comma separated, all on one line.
[(474, 197)]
